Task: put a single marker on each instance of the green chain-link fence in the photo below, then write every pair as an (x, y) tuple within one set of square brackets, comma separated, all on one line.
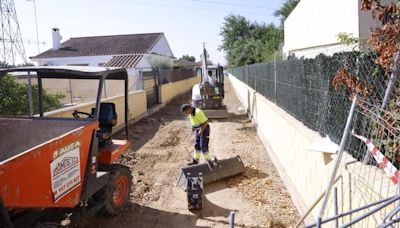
[(303, 87)]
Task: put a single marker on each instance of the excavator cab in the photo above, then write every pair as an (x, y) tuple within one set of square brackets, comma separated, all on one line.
[(212, 91), (209, 94)]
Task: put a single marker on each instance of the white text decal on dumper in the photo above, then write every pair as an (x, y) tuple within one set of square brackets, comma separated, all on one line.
[(65, 170)]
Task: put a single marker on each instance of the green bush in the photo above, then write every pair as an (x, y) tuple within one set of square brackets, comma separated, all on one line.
[(14, 98)]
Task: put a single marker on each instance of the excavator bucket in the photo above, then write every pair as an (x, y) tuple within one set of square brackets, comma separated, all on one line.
[(224, 168), (217, 114)]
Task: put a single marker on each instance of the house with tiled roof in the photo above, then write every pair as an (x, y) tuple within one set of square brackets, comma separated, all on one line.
[(130, 51), (183, 63), (136, 52)]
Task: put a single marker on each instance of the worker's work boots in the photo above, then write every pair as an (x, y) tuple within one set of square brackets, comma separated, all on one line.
[(194, 162)]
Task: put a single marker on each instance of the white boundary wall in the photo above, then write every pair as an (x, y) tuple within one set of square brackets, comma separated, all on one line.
[(305, 172)]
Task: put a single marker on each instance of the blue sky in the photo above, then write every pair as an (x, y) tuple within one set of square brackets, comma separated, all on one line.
[(186, 23)]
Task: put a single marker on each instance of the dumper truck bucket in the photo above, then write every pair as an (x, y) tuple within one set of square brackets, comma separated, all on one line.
[(217, 114), (226, 168)]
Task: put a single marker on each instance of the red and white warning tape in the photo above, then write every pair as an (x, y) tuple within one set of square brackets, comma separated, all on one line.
[(382, 161)]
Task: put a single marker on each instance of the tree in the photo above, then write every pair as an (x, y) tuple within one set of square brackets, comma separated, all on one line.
[(25, 65), (285, 10), (270, 37), (347, 38), (14, 98), (385, 41), (189, 58), (246, 42), (5, 65), (248, 52), (161, 62), (234, 28)]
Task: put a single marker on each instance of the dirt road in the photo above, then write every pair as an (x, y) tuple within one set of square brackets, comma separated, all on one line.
[(163, 144)]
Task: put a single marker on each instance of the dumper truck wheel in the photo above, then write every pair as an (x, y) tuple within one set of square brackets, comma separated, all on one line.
[(116, 193)]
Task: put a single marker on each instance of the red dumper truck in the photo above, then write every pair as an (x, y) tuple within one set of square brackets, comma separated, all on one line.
[(49, 162)]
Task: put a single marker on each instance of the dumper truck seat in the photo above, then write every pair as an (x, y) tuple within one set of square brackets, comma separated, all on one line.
[(107, 120)]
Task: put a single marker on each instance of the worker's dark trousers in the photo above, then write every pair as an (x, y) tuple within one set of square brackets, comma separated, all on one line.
[(202, 140)]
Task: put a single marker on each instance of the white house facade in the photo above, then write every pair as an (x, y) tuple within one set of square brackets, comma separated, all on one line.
[(314, 25), (133, 51)]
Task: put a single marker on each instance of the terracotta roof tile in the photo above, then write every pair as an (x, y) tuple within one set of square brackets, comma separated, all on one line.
[(104, 45), (128, 61)]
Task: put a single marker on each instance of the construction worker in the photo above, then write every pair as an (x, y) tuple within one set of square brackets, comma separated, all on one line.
[(200, 125), (212, 77)]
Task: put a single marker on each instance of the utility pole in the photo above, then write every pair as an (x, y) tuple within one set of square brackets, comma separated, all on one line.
[(11, 43), (36, 22)]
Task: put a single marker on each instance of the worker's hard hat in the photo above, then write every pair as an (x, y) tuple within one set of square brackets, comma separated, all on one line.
[(184, 107)]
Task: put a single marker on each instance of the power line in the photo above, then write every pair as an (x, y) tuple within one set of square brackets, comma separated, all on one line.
[(234, 4), (36, 22), (180, 6), (34, 42), (25, 41)]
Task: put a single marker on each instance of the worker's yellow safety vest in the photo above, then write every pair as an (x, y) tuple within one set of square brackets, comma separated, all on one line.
[(197, 118)]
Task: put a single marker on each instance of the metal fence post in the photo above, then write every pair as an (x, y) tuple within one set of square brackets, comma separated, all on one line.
[(338, 157), (141, 79), (275, 78), (389, 91), (157, 83), (232, 220), (70, 92), (247, 74), (392, 81), (30, 94), (388, 95), (335, 205), (255, 78), (105, 89)]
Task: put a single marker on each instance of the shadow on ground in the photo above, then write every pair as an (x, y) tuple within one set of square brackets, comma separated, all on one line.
[(140, 216), (210, 210)]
